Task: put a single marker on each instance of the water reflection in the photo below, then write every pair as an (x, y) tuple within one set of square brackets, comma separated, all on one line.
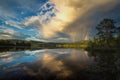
[(44, 64), (59, 64)]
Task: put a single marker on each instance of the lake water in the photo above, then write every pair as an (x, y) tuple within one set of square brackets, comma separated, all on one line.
[(47, 64)]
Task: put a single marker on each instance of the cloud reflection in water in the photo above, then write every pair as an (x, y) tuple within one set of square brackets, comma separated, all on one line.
[(58, 64)]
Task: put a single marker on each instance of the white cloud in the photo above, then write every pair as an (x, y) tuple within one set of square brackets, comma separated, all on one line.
[(31, 20), (75, 18), (75, 15), (12, 34), (9, 31), (3, 27), (5, 36), (15, 24)]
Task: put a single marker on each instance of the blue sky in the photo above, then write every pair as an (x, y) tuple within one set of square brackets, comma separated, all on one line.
[(12, 16), (54, 20)]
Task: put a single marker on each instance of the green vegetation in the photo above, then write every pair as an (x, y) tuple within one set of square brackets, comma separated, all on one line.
[(18, 45), (108, 36), (76, 45), (105, 50)]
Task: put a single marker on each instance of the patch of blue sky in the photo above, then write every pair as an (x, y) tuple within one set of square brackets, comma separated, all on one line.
[(29, 32), (48, 7), (2, 22), (48, 10)]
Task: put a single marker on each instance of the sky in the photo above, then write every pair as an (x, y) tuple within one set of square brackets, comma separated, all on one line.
[(54, 20)]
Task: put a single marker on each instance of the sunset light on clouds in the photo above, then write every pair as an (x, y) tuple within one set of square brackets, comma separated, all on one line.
[(54, 20)]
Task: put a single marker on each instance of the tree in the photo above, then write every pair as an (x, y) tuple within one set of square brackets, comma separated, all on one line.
[(118, 31), (105, 29)]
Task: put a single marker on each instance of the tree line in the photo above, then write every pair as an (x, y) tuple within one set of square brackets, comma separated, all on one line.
[(108, 35)]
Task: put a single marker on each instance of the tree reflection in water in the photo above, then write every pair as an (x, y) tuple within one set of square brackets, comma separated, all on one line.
[(60, 64)]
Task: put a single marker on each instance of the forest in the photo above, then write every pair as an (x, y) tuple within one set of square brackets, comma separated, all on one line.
[(107, 37)]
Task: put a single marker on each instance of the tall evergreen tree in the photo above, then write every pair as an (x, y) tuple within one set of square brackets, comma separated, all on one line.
[(105, 29), (118, 31)]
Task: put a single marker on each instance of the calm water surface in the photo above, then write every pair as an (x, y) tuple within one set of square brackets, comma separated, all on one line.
[(46, 64)]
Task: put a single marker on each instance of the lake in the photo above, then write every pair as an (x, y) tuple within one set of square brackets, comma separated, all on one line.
[(57, 64)]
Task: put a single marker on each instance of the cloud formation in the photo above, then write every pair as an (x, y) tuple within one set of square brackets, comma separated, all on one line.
[(75, 18), (12, 34), (78, 15), (58, 20)]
